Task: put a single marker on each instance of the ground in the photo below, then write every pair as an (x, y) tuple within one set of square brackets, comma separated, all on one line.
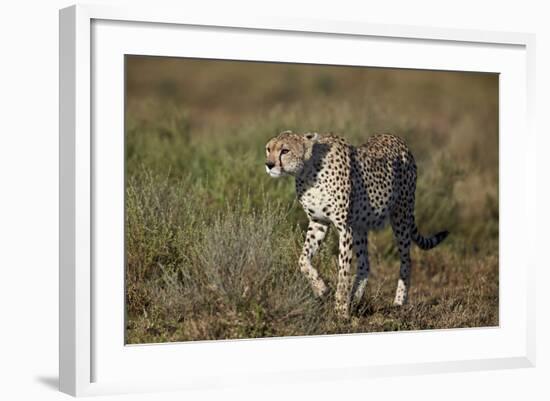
[(213, 242)]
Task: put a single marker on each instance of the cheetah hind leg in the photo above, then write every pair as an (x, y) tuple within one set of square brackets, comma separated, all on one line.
[(401, 230), (361, 253)]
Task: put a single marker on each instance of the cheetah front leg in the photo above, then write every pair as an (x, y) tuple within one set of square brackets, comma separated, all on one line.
[(316, 232), (344, 264)]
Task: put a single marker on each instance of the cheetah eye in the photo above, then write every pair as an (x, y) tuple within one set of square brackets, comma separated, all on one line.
[(267, 149), (284, 151)]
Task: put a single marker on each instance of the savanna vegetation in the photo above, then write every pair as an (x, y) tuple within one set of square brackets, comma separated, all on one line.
[(212, 242)]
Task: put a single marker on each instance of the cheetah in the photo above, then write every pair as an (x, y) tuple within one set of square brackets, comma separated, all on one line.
[(354, 189)]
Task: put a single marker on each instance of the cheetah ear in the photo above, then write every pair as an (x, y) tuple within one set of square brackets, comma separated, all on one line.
[(312, 136)]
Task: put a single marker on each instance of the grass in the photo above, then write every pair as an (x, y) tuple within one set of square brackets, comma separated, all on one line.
[(212, 242)]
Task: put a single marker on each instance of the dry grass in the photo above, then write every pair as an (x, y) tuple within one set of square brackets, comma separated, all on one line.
[(212, 242)]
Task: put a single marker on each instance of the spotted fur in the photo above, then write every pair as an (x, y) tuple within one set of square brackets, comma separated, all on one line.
[(355, 189)]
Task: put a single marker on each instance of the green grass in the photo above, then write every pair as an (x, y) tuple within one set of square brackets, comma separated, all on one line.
[(212, 242)]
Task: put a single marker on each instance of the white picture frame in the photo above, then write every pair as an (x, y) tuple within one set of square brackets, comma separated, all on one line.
[(92, 355)]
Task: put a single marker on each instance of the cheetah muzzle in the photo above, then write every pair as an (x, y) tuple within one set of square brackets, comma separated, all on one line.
[(356, 189)]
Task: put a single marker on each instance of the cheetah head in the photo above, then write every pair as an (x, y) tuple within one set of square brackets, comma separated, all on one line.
[(287, 153)]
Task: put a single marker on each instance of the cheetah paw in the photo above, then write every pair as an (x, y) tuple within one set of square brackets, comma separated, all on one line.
[(320, 290)]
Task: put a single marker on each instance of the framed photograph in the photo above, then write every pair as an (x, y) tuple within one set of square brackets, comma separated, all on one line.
[(276, 200)]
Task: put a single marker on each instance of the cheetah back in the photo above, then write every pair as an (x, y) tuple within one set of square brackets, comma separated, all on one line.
[(383, 173)]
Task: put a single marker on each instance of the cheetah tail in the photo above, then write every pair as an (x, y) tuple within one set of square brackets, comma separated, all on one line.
[(428, 243)]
